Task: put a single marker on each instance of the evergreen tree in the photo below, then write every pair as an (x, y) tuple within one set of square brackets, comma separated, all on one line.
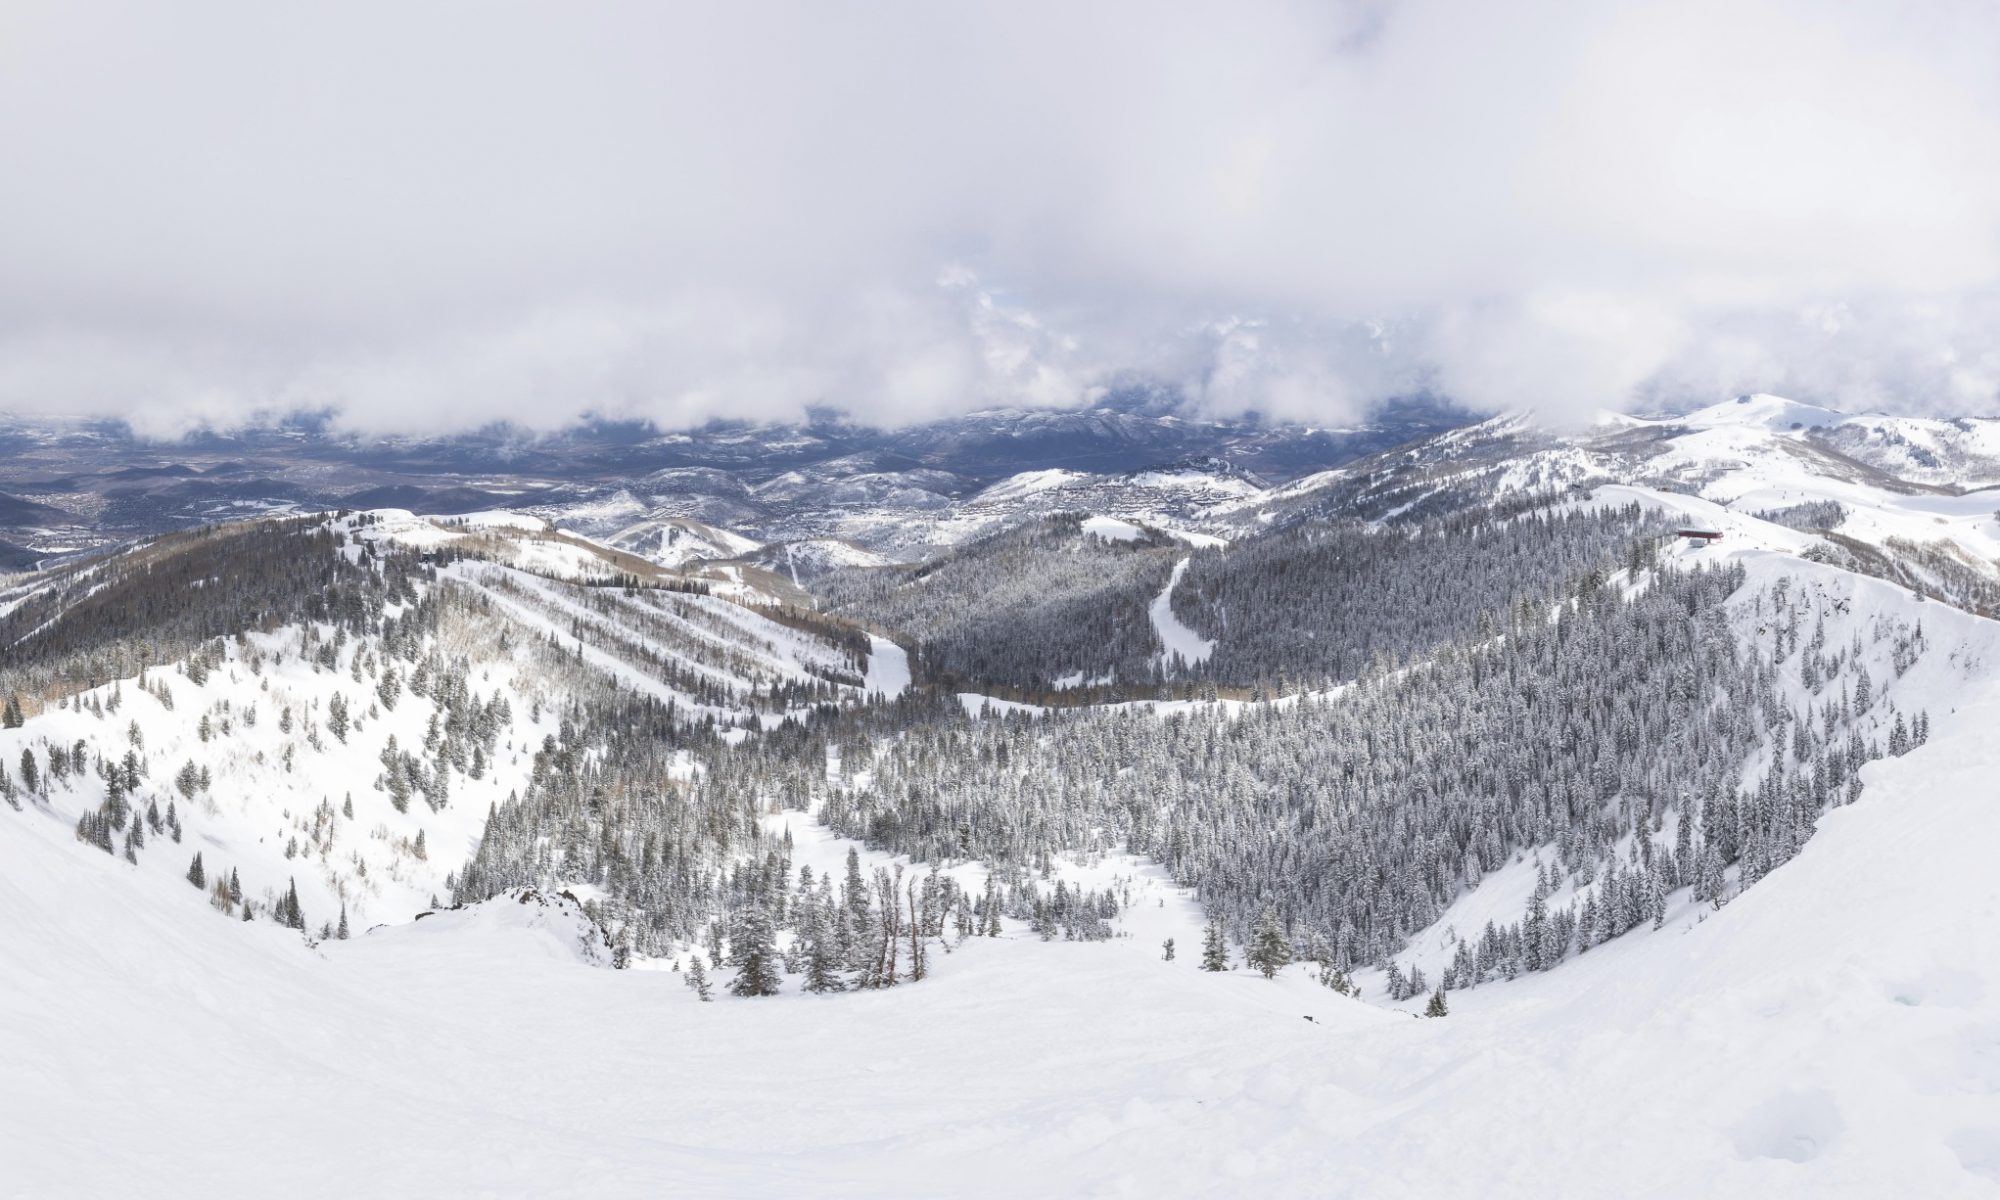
[(1436, 1008), (754, 946), (1335, 979), (697, 976), (289, 911), (1269, 951), (1397, 987), (823, 966), (1214, 948), (854, 889), (991, 903), (341, 932), (196, 875)]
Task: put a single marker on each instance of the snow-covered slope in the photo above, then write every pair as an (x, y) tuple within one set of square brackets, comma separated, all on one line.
[(807, 559), (1925, 517), (673, 550), (839, 514), (361, 773), (1830, 1034), (1762, 411), (1956, 454), (1964, 452), (1181, 644), (1168, 497), (289, 802), (677, 541)]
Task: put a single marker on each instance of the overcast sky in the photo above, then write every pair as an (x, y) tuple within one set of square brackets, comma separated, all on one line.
[(429, 216)]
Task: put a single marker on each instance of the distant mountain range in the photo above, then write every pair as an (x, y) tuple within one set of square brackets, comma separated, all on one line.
[(830, 492), (68, 486)]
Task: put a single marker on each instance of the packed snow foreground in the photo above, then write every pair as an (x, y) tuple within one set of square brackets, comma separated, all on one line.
[(1833, 1031)]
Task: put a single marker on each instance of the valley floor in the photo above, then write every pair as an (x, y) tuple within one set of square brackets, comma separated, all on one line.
[(1835, 1032)]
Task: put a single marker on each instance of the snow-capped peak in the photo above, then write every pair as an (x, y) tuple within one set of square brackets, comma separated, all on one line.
[(1764, 411)]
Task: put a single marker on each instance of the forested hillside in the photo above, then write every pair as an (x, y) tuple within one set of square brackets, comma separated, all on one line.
[(156, 604), (309, 719), (1025, 608), (1623, 732), (1048, 606), (1318, 604), (1623, 724)]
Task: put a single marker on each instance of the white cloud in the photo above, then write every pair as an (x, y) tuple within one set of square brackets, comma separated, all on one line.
[(429, 216)]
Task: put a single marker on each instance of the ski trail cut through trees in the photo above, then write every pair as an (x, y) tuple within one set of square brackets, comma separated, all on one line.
[(1176, 638), (888, 668)]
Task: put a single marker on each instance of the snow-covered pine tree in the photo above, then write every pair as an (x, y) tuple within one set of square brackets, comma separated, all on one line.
[(1214, 947), (823, 966), (290, 912), (853, 888), (990, 909), (1269, 951), (754, 944), (697, 975)]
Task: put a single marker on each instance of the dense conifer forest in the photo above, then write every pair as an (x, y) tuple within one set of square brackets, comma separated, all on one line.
[(1610, 723), (1613, 728), (107, 619), (1022, 608), (1321, 603), (1308, 604)]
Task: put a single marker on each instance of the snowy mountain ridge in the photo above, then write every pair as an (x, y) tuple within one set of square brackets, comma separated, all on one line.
[(490, 711), (357, 773), (1757, 450), (1881, 505)]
